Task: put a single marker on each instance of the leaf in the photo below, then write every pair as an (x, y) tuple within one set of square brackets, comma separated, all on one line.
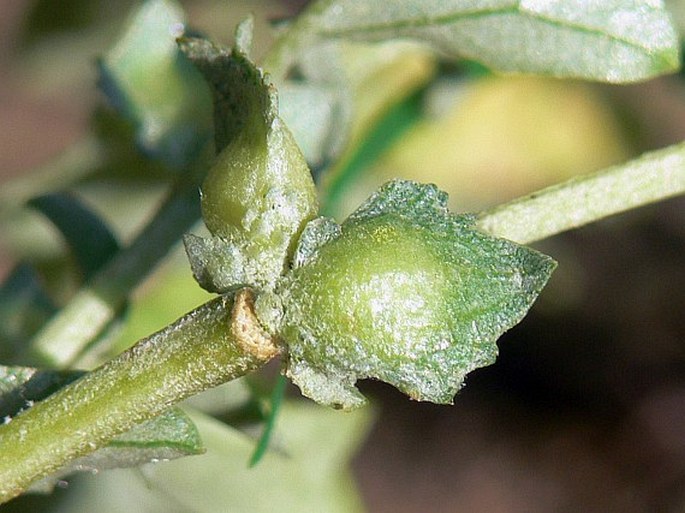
[(613, 40), (259, 193), (313, 131), (310, 472), (170, 435), (89, 238), (408, 293), (21, 387), (154, 86), (276, 400), (24, 309)]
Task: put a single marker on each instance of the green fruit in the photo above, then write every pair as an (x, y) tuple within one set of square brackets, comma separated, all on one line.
[(404, 292)]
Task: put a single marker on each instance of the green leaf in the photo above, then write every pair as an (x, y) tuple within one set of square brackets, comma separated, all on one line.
[(613, 40), (154, 86), (243, 97), (259, 193), (89, 238), (407, 293), (24, 309), (21, 387), (275, 402), (308, 472), (170, 435)]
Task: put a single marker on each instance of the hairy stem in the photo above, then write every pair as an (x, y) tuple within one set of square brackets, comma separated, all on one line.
[(652, 177), (217, 342)]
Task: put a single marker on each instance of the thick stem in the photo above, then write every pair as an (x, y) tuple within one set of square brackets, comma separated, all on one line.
[(219, 341), (652, 177), (64, 338)]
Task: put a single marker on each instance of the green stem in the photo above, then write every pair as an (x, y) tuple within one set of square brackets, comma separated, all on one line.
[(652, 177), (65, 337), (217, 342)]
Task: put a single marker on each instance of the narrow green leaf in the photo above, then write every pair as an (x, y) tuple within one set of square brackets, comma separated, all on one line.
[(407, 293), (276, 399), (88, 237), (613, 40), (154, 86), (21, 387)]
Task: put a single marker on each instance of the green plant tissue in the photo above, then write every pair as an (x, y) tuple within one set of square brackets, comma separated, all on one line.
[(405, 292)]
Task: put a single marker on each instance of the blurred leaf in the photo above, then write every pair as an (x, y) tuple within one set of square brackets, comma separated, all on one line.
[(276, 400), (24, 309), (88, 237), (313, 130), (677, 10), (613, 41), (490, 140), (336, 83), (20, 387), (152, 84), (309, 473), (171, 435)]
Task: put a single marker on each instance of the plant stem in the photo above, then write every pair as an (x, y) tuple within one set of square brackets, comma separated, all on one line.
[(652, 177), (217, 342), (64, 338)]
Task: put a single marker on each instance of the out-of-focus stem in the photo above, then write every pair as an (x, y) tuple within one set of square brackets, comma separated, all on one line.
[(652, 177)]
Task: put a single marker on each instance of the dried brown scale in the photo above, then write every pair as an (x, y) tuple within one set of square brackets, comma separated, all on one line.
[(247, 329)]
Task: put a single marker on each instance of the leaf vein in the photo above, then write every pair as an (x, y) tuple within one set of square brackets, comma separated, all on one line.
[(423, 22)]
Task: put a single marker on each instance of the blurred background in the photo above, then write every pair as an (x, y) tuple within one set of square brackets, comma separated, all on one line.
[(584, 409)]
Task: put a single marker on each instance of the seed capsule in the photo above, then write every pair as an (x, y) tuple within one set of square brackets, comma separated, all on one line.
[(404, 292)]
